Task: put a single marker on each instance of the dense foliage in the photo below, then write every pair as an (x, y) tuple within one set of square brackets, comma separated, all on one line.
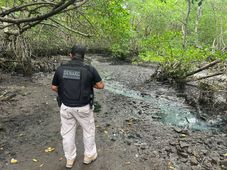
[(164, 31)]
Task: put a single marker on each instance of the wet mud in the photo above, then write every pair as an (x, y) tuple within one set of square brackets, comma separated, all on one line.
[(138, 125)]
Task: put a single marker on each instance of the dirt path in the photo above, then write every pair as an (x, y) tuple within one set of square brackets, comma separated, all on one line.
[(129, 133)]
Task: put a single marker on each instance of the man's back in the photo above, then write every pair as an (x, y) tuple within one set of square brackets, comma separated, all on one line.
[(75, 81)]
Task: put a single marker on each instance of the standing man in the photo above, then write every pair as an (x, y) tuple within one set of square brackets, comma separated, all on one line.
[(74, 83)]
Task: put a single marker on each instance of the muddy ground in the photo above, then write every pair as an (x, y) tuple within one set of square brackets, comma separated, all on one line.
[(131, 133)]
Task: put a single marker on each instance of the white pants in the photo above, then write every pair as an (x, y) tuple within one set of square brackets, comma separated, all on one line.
[(69, 118)]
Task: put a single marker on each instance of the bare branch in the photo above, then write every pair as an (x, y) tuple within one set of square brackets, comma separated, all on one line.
[(18, 8), (49, 24), (203, 68), (205, 77), (70, 29), (25, 28), (39, 18), (76, 6), (34, 11), (5, 26)]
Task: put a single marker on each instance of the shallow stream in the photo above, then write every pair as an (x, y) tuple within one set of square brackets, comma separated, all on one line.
[(172, 111)]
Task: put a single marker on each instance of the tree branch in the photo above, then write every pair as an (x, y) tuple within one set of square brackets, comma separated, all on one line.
[(70, 29), (18, 8), (5, 26), (49, 24), (34, 10), (76, 6), (39, 18), (203, 68), (25, 28), (205, 77)]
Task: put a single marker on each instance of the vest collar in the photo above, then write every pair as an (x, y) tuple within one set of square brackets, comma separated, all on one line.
[(76, 61)]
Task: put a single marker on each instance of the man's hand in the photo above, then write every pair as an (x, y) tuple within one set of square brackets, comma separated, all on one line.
[(54, 88), (99, 85)]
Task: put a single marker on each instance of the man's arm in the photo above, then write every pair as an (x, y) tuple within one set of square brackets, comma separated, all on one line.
[(99, 85), (55, 82), (54, 88)]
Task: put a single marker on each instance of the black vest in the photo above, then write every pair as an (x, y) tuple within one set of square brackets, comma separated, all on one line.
[(76, 84)]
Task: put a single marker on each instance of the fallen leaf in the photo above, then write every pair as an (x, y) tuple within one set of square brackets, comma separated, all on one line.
[(183, 135), (171, 167), (60, 159), (49, 149), (105, 132), (34, 160), (169, 163), (122, 130), (13, 161), (225, 154), (41, 165)]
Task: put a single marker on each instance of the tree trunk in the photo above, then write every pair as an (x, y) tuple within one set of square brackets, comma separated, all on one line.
[(199, 12), (185, 24), (22, 52)]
